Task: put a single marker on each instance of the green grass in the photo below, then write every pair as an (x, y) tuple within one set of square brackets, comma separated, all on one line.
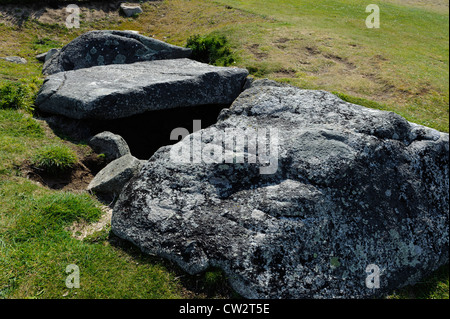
[(17, 95), (212, 49), (19, 135), (46, 1), (36, 249), (434, 286), (54, 159), (401, 67)]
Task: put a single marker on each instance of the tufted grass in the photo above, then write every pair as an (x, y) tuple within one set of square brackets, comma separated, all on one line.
[(54, 159), (402, 67)]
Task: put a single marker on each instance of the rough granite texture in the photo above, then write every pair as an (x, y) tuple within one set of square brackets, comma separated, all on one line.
[(111, 47), (354, 187), (118, 91)]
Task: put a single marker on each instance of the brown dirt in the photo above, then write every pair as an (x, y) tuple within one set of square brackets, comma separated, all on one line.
[(285, 73), (76, 179), (255, 50)]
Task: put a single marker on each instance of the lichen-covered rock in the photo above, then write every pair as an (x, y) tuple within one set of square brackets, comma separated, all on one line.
[(118, 91), (111, 47), (357, 197)]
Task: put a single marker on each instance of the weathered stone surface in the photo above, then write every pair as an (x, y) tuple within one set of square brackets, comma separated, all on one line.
[(112, 145), (115, 175), (130, 10), (353, 187), (118, 91), (111, 47)]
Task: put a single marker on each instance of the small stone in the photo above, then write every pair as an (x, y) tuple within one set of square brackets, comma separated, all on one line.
[(112, 145), (15, 59), (130, 10), (115, 175), (43, 57)]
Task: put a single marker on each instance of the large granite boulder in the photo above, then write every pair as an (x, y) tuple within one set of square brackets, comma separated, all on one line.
[(353, 204), (111, 47), (118, 91)]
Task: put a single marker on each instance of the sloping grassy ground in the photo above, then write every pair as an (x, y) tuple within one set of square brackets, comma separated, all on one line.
[(325, 44), (402, 67)]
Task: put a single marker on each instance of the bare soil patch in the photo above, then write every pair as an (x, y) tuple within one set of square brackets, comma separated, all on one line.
[(88, 165), (76, 179)]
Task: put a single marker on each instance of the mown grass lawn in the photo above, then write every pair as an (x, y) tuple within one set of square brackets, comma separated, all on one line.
[(402, 67)]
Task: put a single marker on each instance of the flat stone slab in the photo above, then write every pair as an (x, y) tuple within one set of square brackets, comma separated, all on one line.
[(354, 203), (122, 90)]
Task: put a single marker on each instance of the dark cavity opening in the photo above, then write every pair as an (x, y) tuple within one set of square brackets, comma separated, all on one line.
[(144, 133)]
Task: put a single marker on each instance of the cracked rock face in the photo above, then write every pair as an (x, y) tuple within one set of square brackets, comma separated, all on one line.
[(354, 189), (118, 91), (111, 47)]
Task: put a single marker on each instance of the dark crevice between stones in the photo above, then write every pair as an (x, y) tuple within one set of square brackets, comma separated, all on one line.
[(144, 133)]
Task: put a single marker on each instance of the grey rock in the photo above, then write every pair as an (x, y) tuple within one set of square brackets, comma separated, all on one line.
[(15, 59), (112, 145), (115, 175), (118, 91), (44, 57), (130, 10), (353, 187), (105, 47), (41, 57), (50, 53)]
